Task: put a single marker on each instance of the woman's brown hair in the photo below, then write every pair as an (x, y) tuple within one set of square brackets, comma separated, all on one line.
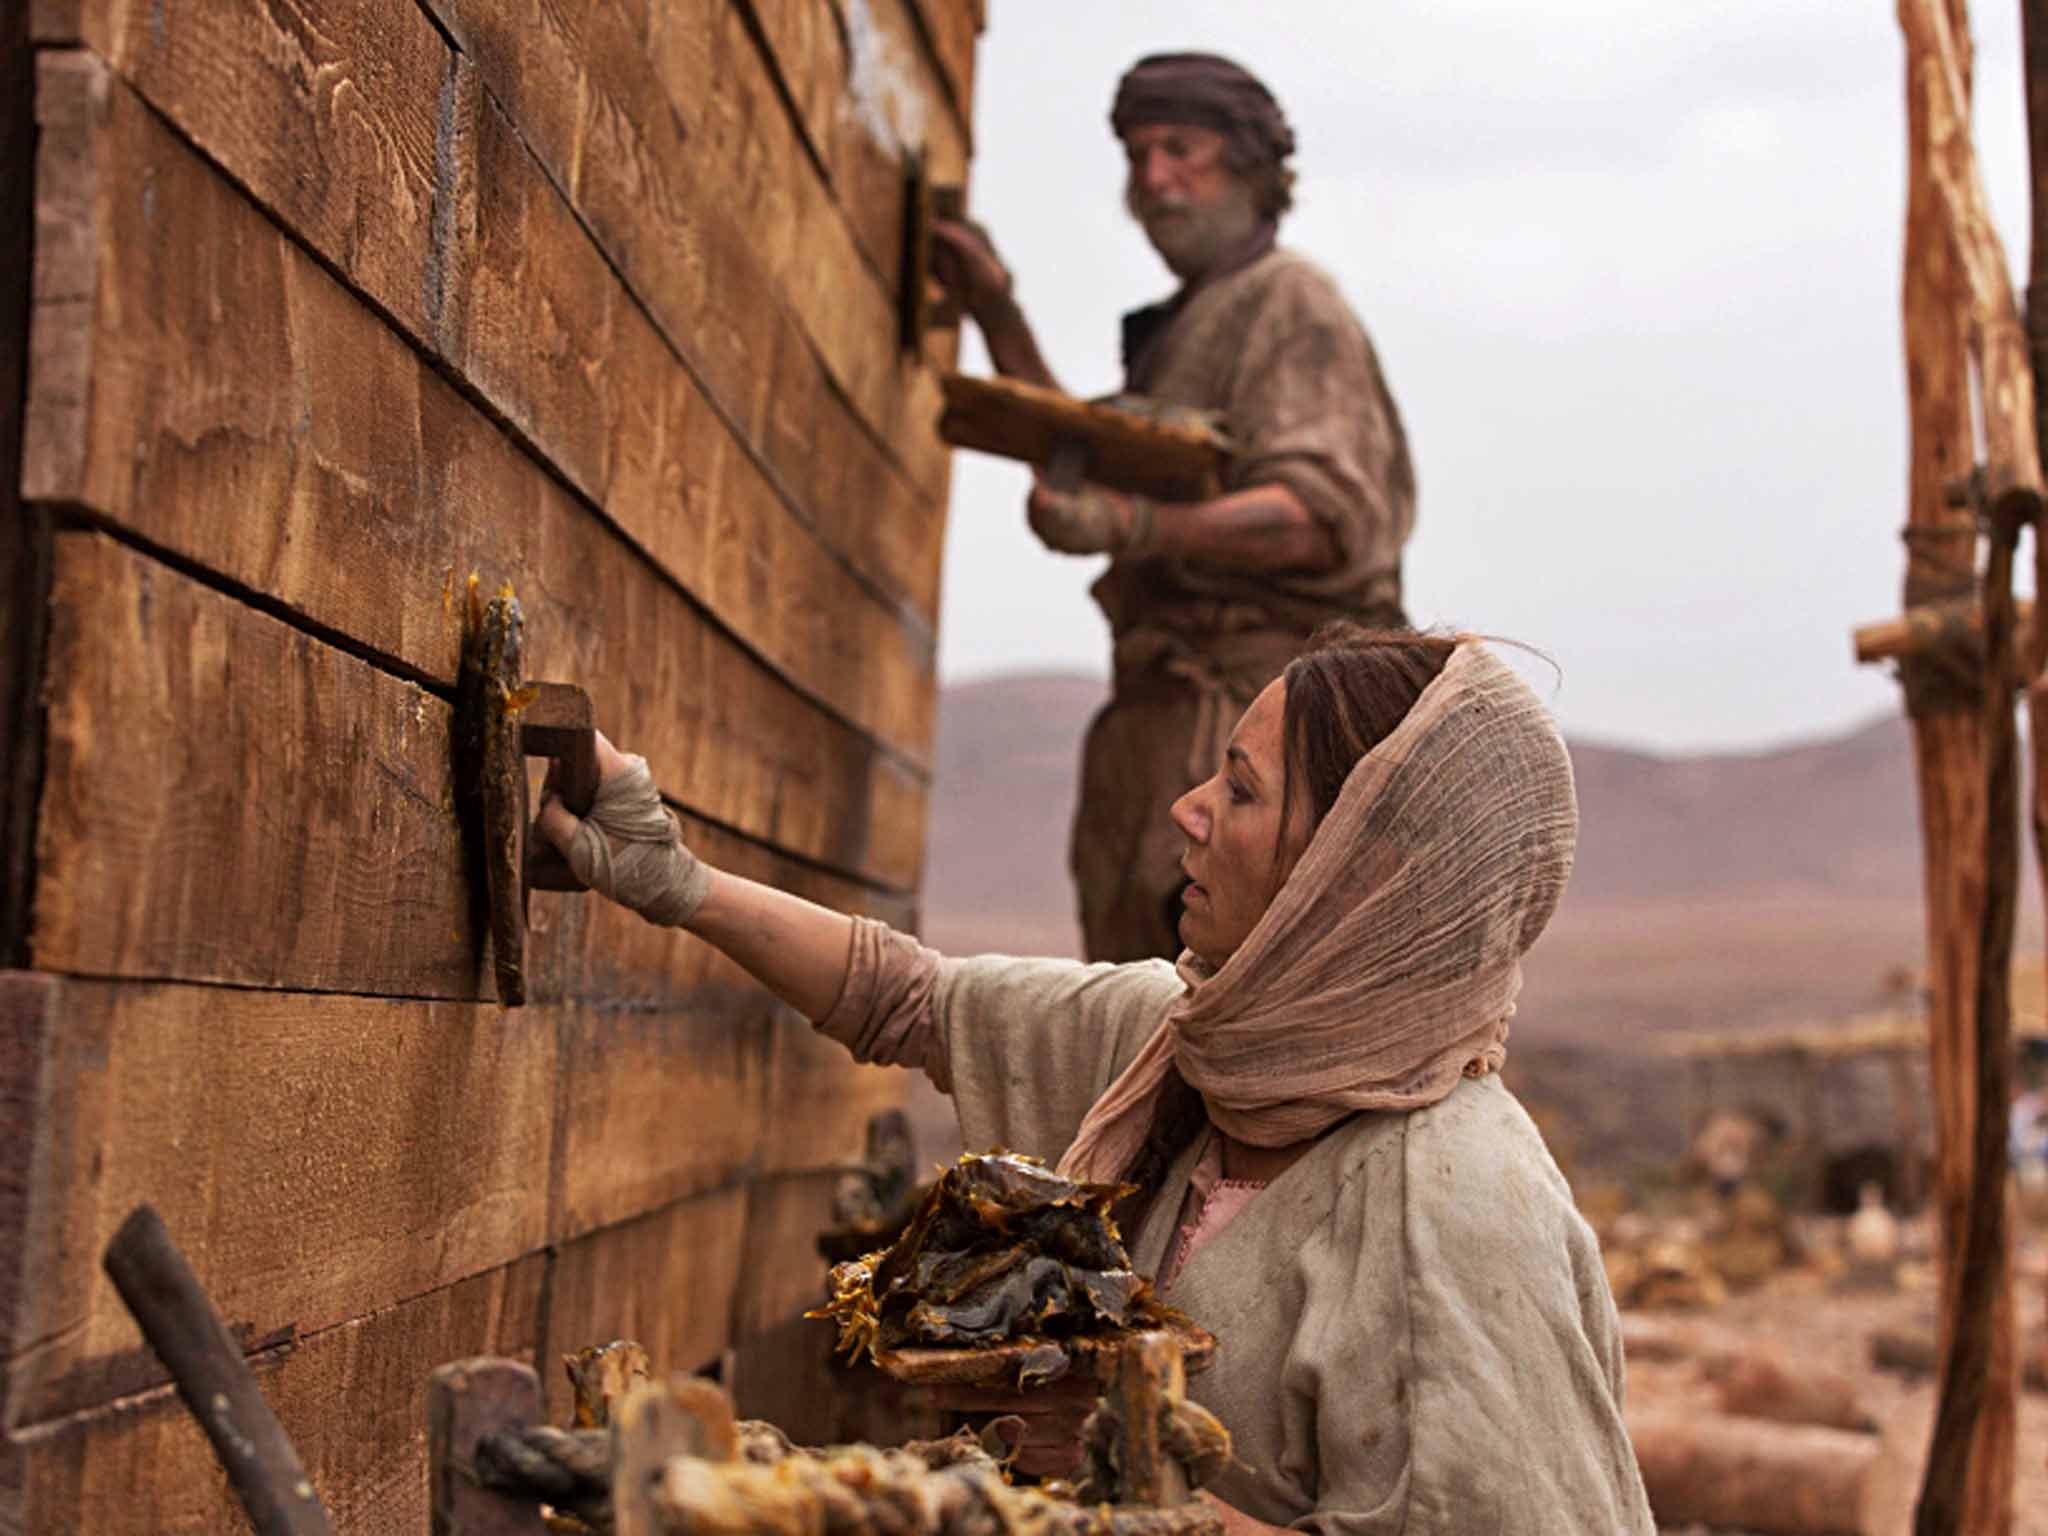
[(1345, 695)]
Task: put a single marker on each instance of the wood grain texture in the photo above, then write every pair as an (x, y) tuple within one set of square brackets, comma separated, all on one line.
[(311, 378), (715, 79), (232, 801), (504, 285), (865, 91), (666, 1280), (635, 168), (360, 487), (950, 29), (300, 1145), (784, 1274), (142, 1467), (300, 1149)]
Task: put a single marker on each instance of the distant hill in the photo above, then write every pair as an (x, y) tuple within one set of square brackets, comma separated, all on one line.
[(1710, 890)]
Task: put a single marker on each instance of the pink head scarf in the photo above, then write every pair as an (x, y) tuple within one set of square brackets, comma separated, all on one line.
[(1387, 966)]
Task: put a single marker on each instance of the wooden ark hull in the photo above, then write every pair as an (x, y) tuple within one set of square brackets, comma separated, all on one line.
[(307, 311)]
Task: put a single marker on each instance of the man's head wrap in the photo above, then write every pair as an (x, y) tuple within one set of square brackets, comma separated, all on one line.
[(1206, 90)]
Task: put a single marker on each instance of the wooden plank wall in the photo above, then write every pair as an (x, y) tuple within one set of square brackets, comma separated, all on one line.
[(329, 305)]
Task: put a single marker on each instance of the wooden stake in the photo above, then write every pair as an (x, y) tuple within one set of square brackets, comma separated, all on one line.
[(1149, 1381), (1937, 299), (1967, 1382), (657, 1421), (467, 1400), (206, 1364)]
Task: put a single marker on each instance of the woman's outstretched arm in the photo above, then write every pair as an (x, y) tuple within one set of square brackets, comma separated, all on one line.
[(795, 948)]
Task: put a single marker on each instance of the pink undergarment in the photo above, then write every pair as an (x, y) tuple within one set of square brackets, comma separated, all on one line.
[(1214, 1203)]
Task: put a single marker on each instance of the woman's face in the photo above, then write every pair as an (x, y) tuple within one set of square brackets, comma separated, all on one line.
[(1236, 857)]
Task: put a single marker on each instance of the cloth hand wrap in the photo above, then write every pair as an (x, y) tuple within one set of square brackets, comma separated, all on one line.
[(630, 848), (1092, 521)]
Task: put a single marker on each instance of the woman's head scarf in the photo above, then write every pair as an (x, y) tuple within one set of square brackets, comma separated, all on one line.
[(1387, 966)]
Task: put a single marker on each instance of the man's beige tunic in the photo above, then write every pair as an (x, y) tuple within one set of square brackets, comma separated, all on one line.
[(1275, 349), (1417, 1334)]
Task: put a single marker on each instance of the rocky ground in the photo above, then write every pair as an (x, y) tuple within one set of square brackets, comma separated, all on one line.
[(1819, 1323)]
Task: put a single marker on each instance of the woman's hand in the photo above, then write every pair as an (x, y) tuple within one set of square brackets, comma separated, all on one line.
[(630, 847)]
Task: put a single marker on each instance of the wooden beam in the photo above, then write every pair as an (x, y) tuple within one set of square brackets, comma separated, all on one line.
[(1939, 71), (365, 489), (1934, 627), (1176, 460)]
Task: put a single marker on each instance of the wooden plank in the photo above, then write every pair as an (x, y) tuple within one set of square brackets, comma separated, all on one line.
[(353, 1398), (231, 801), (822, 1102), (865, 92), (588, 103), (784, 1274), (602, 393), (296, 1145), (663, 1103), (667, 1280), (1179, 457), (951, 29), (716, 80), (363, 486), (494, 275), (25, 1024)]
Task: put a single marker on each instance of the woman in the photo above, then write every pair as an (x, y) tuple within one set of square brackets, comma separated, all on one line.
[(1417, 1332)]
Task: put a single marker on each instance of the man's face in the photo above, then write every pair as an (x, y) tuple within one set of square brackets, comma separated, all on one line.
[(1193, 207)]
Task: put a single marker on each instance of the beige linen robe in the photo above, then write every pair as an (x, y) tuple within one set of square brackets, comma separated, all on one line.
[(1417, 1334)]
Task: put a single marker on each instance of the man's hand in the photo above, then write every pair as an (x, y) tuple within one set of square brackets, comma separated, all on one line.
[(1090, 521), (965, 262)]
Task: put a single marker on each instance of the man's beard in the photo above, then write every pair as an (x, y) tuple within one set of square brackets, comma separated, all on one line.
[(1193, 240)]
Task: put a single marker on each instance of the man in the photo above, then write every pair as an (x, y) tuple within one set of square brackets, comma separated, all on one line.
[(1208, 600)]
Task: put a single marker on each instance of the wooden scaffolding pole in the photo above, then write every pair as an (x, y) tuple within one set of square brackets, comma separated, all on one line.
[(1957, 307), (2034, 44)]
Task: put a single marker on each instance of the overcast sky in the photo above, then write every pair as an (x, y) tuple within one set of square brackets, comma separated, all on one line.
[(1632, 270)]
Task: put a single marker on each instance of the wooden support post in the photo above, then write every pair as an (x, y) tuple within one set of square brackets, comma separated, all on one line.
[(1953, 287), (466, 1401), (2034, 48), (1985, 1270), (658, 1421)]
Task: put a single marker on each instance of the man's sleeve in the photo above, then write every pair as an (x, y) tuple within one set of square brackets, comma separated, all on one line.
[(1310, 410)]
